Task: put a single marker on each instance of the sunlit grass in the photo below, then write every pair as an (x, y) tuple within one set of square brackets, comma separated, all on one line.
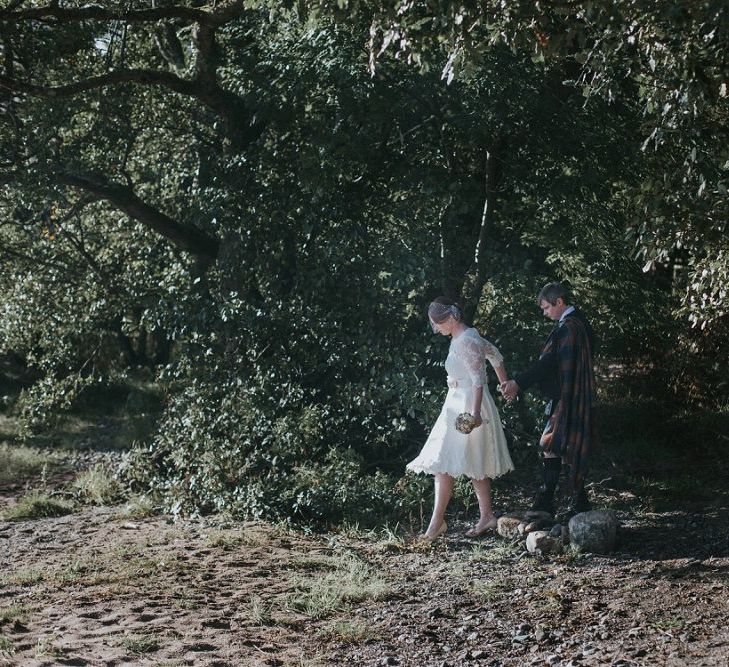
[(352, 580), (350, 631), (97, 486), (37, 505), (18, 463)]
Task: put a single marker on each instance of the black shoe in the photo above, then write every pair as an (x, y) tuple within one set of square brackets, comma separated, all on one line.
[(578, 503), (543, 501)]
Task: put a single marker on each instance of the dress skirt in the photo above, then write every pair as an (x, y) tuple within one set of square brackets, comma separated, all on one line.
[(479, 454)]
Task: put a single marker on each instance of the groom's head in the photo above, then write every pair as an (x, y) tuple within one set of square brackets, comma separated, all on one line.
[(553, 299)]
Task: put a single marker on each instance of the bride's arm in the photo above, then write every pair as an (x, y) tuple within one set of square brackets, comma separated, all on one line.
[(501, 372)]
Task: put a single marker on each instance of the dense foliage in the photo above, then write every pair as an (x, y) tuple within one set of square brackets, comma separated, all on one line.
[(257, 202)]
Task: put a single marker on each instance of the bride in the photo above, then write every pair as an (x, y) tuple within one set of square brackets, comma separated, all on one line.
[(481, 454)]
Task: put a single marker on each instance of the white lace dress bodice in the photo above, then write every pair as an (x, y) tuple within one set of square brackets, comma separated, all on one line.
[(483, 452)]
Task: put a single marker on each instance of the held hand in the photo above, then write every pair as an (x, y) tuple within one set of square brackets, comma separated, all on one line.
[(509, 389), (477, 420)]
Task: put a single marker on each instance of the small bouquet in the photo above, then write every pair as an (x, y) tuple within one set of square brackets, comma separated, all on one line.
[(465, 422)]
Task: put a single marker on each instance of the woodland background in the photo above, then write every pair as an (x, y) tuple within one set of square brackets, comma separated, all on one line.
[(229, 218)]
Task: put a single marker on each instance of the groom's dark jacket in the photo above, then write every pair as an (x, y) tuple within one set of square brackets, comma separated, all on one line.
[(564, 373)]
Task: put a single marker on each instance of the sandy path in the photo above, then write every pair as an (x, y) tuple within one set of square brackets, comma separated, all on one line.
[(94, 588)]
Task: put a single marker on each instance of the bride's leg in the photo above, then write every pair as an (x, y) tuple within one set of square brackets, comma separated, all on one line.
[(443, 491), (482, 487)]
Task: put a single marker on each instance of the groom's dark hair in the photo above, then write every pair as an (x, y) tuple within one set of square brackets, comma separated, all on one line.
[(553, 291)]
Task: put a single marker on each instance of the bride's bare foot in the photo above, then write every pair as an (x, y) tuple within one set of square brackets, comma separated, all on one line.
[(431, 535), (484, 524)]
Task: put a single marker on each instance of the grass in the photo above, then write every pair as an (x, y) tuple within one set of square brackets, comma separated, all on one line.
[(489, 591), (227, 540), (350, 632), (669, 624), (139, 507), (494, 554), (97, 486), (6, 645), (38, 505), (141, 644), (352, 580), (14, 613), (259, 612), (548, 601), (23, 577), (45, 647), (571, 554), (18, 463)]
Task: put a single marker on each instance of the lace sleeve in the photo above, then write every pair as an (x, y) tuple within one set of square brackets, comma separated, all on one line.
[(470, 352), (492, 353)]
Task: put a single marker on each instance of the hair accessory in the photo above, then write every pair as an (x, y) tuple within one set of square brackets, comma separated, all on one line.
[(440, 312)]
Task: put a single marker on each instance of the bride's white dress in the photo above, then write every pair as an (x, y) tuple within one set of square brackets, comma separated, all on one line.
[(483, 452)]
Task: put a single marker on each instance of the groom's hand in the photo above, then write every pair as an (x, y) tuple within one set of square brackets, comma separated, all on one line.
[(509, 389)]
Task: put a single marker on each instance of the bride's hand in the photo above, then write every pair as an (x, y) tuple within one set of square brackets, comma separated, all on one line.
[(478, 421)]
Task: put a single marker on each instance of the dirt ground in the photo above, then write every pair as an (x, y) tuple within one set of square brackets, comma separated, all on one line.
[(99, 588)]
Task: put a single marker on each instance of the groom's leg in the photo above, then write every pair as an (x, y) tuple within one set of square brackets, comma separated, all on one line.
[(551, 467)]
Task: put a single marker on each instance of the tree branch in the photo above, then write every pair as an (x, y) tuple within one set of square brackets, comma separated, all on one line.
[(227, 105), (99, 13), (217, 15), (141, 76), (185, 237), (479, 269)]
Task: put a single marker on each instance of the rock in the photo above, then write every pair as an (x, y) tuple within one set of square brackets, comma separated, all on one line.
[(541, 541), (531, 527), (594, 531), (508, 526), (521, 528), (436, 612), (556, 531), (540, 633), (389, 660)]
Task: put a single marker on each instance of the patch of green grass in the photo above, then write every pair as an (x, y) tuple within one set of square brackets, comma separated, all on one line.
[(547, 600), (6, 645), (489, 590), (97, 486), (141, 644), (669, 623), (571, 554), (481, 553), (13, 613), (38, 505), (259, 612), (18, 463), (45, 648), (322, 594), (22, 577), (227, 540), (70, 574), (390, 539), (350, 632), (139, 507)]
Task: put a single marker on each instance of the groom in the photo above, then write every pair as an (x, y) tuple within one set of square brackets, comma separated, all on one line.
[(564, 374)]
